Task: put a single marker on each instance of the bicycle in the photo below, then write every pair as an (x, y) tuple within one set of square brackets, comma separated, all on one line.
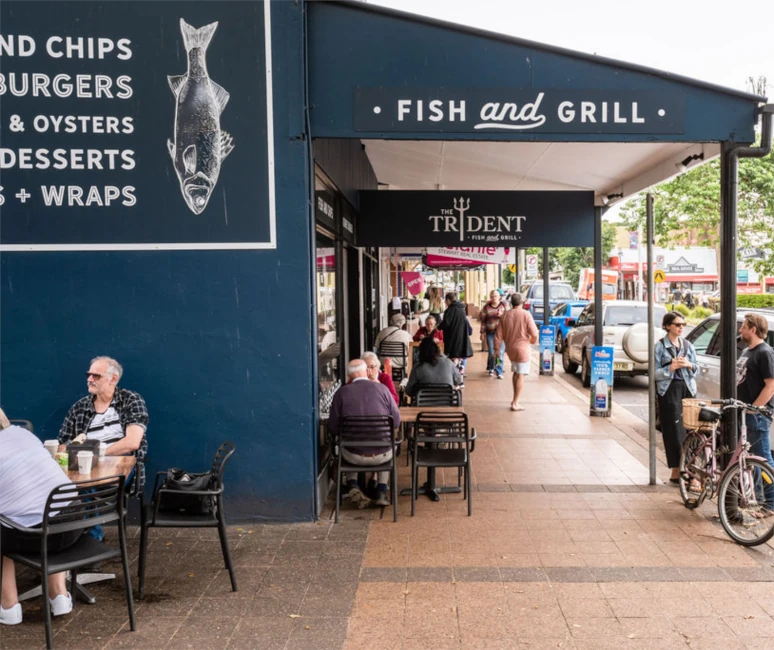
[(739, 487)]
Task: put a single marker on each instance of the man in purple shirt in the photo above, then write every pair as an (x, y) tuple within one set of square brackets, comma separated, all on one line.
[(363, 397)]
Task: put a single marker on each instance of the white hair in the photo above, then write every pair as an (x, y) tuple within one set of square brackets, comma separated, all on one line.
[(4, 422), (356, 366), (114, 368), (370, 355)]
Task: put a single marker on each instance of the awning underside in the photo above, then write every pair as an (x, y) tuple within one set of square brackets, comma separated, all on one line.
[(605, 168)]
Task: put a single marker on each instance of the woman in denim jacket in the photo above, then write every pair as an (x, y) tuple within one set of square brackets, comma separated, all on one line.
[(675, 366)]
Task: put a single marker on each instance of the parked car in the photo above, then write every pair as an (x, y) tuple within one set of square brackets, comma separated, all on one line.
[(533, 297), (560, 317), (706, 340), (625, 328)]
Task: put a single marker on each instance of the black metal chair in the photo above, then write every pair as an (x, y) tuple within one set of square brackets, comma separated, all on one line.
[(441, 439), (431, 395), (437, 395), (394, 350), (366, 431), (25, 424), (153, 515), (71, 507)]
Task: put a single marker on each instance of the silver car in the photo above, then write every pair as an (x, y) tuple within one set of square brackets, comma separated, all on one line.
[(624, 328), (706, 341)]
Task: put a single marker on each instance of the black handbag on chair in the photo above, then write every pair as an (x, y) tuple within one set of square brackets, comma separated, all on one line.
[(191, 504)]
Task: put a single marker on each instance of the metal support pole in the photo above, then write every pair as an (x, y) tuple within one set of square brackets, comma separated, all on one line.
[(546, 288), (729, 173), (598, 337), (729, 167), (651, 343)]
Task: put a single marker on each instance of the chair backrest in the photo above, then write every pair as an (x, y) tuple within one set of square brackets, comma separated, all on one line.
[(392, 349), (441, 426), (437, 395), (219, 461), (25, 424), (83, 504), (367, 431)]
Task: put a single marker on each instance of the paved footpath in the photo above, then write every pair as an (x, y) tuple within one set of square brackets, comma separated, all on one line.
[(568, 547)]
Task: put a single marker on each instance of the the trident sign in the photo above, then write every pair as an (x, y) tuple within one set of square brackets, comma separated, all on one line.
[(462, 206)]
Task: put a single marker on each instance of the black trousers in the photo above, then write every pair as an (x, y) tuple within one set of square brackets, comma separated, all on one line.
[(670, 406), (14, 541)]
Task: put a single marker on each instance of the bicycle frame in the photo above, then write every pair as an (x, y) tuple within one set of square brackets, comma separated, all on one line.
[(710, 450)]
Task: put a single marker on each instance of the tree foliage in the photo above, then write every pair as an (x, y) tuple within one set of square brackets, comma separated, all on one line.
[(687, 209), (570, 261)]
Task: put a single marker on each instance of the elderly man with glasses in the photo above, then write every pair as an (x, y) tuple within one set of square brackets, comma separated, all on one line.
[(375, 374), (109, 414)]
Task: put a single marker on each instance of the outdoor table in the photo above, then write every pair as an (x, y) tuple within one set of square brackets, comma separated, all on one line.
[(408, 414), (108, 466)]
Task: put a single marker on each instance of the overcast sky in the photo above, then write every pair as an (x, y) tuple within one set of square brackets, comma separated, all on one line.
[(721, 42)]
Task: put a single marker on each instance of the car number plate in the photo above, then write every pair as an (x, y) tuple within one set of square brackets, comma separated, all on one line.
[(621, 366)]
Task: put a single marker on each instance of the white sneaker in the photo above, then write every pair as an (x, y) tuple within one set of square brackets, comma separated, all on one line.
[(11, 616), (61, 605)]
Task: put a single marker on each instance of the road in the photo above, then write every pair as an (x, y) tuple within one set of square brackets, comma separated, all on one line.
[(630, 393)]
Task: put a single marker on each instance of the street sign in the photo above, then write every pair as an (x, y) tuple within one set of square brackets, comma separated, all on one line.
[(659, 276), (512, 268), (660, 263), (532, 266)]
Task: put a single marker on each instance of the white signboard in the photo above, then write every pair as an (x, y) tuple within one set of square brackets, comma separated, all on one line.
[(532, 266)]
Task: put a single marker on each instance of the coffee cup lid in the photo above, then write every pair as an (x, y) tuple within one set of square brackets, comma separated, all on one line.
[(85, 453)]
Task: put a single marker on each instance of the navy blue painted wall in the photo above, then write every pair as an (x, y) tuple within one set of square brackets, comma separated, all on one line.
[(218, 342), (347, 165), (359, 46)]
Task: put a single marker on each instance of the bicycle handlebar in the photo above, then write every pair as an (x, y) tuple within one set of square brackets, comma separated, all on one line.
[(737, 404)]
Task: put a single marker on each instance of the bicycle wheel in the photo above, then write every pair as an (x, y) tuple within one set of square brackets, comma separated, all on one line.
[(693, 467), (741, 505)]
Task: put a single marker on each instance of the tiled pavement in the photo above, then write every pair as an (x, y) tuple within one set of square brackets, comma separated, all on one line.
[(568, 547)]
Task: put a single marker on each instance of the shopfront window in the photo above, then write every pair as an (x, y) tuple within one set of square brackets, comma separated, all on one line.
[(328, 342)]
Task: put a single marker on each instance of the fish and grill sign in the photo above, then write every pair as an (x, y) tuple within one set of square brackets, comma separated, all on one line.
[(97, 153)]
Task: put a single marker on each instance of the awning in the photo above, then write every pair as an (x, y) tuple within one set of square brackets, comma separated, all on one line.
[(518, 115)]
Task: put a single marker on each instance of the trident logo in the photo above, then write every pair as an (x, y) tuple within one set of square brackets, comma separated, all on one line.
[(462, 206)]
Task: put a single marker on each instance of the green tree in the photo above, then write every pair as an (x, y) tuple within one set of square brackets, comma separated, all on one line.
[(690, 203), (572, 260)]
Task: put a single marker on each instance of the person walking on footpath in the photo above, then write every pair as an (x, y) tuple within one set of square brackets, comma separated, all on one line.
[(755, 385), (676, 368), (517, 330), (490, 317), (456, 331)]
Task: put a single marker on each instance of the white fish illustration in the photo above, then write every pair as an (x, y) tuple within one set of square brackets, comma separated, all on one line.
[(200, 147)]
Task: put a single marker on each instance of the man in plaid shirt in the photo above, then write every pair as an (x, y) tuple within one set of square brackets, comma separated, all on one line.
[(113, 415)]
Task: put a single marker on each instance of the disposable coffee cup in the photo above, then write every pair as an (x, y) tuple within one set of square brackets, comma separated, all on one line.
[(52, 446), (85, 459), (102, 449)]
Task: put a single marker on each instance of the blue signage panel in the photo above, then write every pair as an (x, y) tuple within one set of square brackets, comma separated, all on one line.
[(135, 124), (547, 343), (601, 394), (514, 110), (475, 218)]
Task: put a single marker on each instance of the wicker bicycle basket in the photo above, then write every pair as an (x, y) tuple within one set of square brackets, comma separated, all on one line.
[(691, 408)]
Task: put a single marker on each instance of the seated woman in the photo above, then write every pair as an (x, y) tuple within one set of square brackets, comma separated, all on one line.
[(429, 329), (28, 473), (433, 368)]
